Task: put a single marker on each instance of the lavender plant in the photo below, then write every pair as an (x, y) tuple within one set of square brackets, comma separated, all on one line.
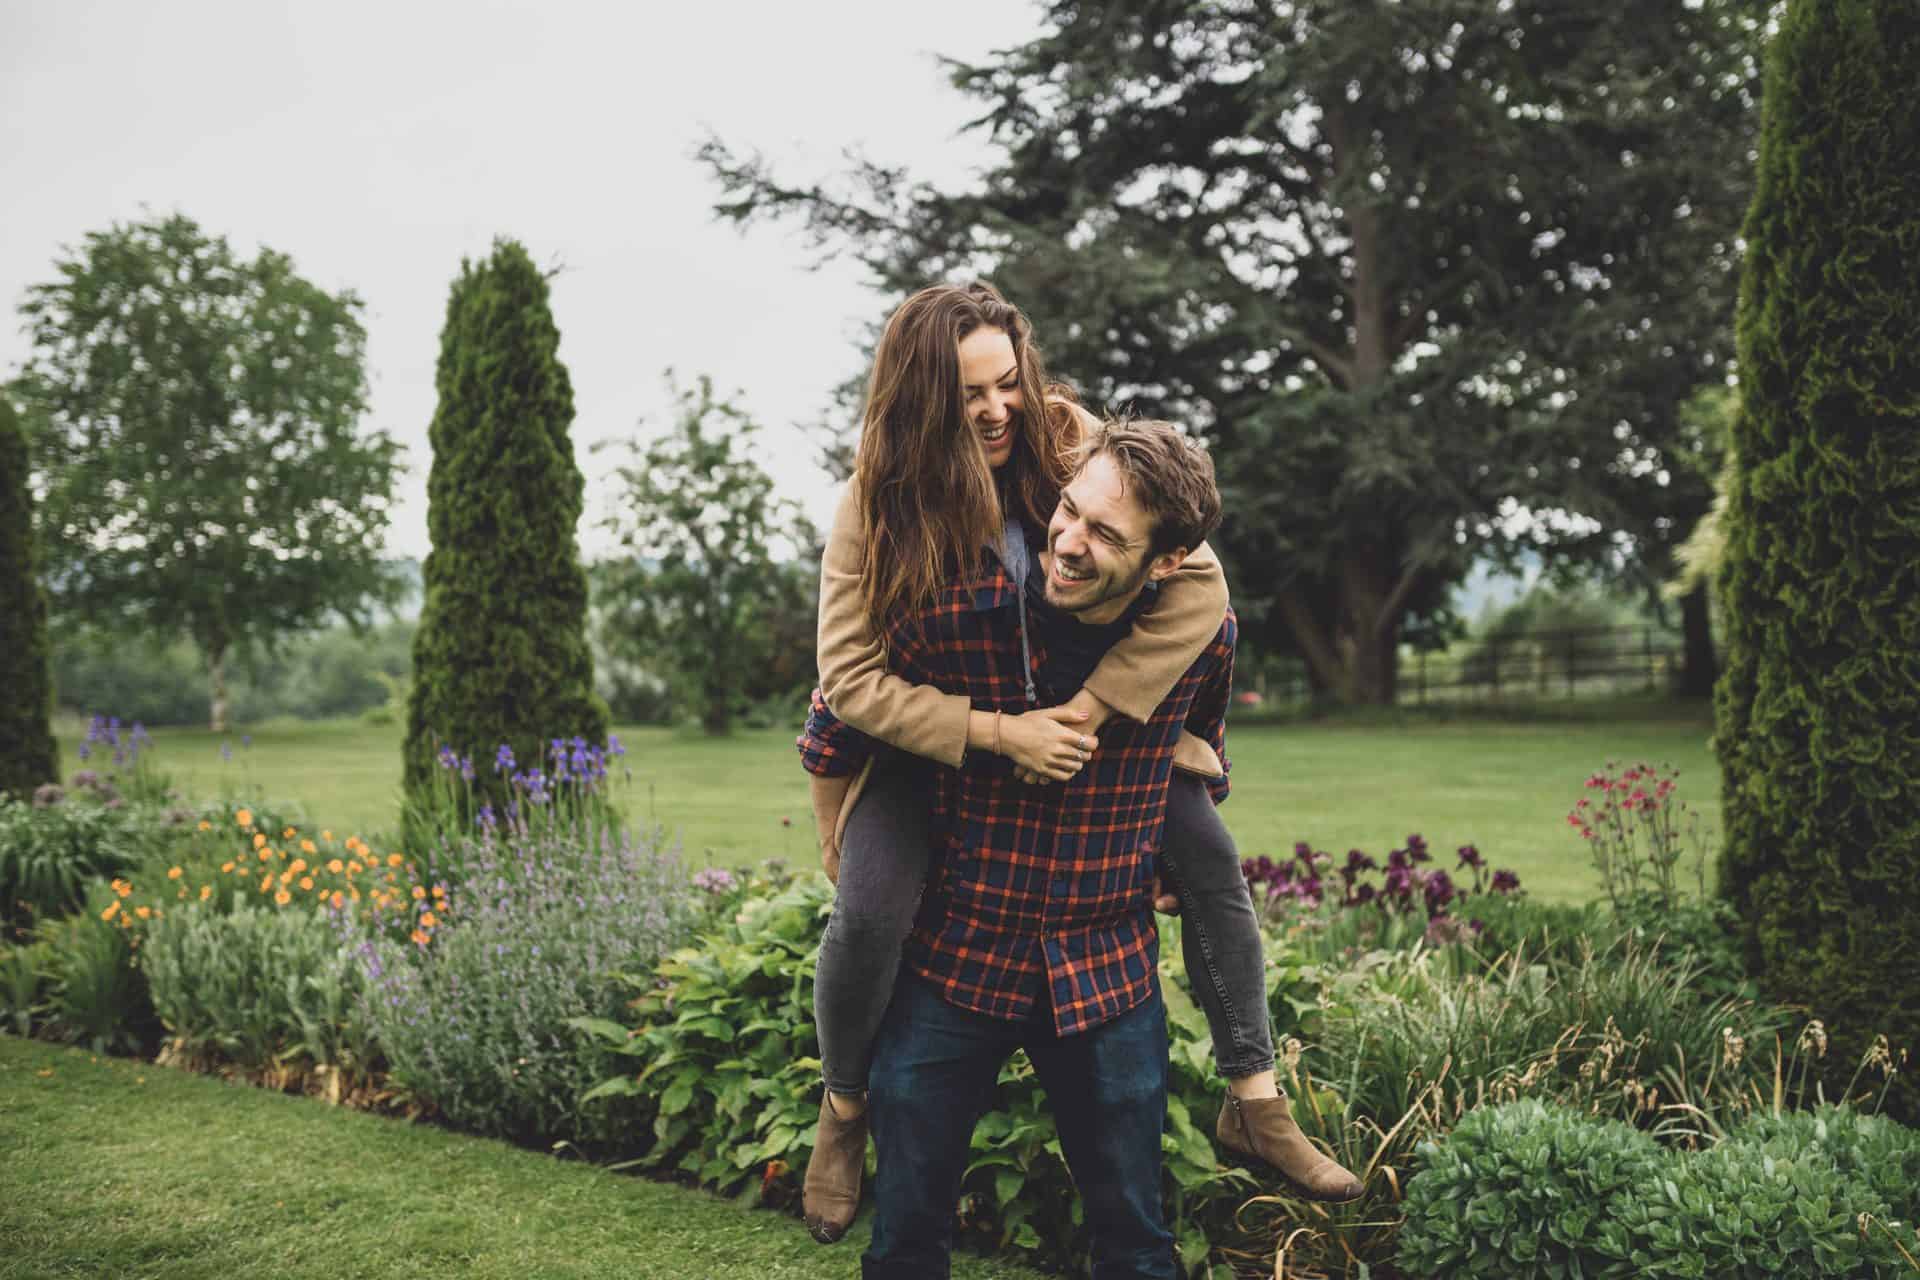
[(543, 919), (128, 760), (566, 793)]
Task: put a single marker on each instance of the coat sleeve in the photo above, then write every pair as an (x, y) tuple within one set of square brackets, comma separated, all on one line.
[(1140, 671), (854, 678)]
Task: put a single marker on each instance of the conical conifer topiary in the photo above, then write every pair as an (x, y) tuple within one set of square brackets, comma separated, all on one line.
[(501, 654), (1819, 706), (27, 756)]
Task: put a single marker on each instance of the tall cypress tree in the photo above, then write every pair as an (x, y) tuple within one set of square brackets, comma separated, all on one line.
[(1819, 705), (26, 687), (501, 654)]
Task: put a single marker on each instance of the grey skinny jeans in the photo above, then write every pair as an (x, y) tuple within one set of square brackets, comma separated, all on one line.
[(884, 859)]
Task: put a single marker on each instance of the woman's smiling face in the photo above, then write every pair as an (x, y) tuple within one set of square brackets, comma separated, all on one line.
[(990, 384)]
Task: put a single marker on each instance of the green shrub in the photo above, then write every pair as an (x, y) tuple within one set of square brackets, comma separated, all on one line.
[(27, 757), (1526, 1189), (1817, 704), (97, 995), (1530, 1189), (153, 680), (1605, 1029), (501, 653), (727, 1061), (23, 986), (1876, 1150), (1751, 1211), (51, 854), (258, 987)]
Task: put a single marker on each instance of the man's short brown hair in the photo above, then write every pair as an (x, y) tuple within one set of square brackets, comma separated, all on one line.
[(1171, 475)]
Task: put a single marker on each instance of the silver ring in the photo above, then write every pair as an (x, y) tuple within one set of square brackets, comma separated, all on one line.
[(1083, 742), (1083, 757)]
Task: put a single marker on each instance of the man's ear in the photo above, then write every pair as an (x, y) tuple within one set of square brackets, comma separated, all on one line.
[(1163, 565)]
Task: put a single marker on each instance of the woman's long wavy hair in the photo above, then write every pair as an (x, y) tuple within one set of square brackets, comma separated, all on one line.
[(931, 499)]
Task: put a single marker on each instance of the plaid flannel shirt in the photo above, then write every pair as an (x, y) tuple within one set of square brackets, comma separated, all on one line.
[(1035, 883)]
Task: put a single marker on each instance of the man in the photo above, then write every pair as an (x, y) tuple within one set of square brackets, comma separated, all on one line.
[(1036, 931)]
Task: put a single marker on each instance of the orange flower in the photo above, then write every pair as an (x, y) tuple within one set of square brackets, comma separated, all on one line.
[(355, 894), (122, 888), (327, 836), (286, 877), (339, 899), (227, 865), (244, 817), (336, 866), (112, 908), (299, 865), (428, 920), (439, 891), (394, 859), (354, 868), (306, 846), (266, 883), (306, 882), (174, 873), (206, 891), (143, 912), (287, 834), (420, 938), (259, 839), (418, 892), (182, 893), (282, 898), (205, 825)]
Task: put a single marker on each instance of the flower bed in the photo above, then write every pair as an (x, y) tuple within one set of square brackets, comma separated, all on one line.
[(524, 974)]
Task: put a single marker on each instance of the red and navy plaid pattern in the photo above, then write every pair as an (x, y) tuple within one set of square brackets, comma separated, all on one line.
[(1035, 883)]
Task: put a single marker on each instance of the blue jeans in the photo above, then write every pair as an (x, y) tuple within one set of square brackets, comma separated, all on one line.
[(934, 1069)]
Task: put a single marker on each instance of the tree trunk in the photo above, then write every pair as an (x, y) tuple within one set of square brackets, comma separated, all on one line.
[(1700, 668), (217, 682), (715, 718), (1355, 656)]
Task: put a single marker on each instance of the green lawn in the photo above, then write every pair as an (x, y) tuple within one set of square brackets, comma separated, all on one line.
[(1502, 784), (111, 1167)]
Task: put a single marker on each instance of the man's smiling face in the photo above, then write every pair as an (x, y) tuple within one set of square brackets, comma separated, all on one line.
[(1098, 545)]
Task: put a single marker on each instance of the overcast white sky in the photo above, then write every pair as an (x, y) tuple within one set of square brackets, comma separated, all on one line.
[(379, 143)]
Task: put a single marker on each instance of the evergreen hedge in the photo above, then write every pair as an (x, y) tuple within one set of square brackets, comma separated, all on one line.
[(1819, 706), (27, 756), (501, 653)]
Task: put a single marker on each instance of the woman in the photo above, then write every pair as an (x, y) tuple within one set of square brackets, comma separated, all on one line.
[(964, 444)]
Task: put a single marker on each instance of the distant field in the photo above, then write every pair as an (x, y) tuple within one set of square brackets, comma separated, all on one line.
[(1502, 784)]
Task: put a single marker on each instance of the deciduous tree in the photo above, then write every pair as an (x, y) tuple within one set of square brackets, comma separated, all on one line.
[(197, 419), (716, 590), (1409, 267)]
